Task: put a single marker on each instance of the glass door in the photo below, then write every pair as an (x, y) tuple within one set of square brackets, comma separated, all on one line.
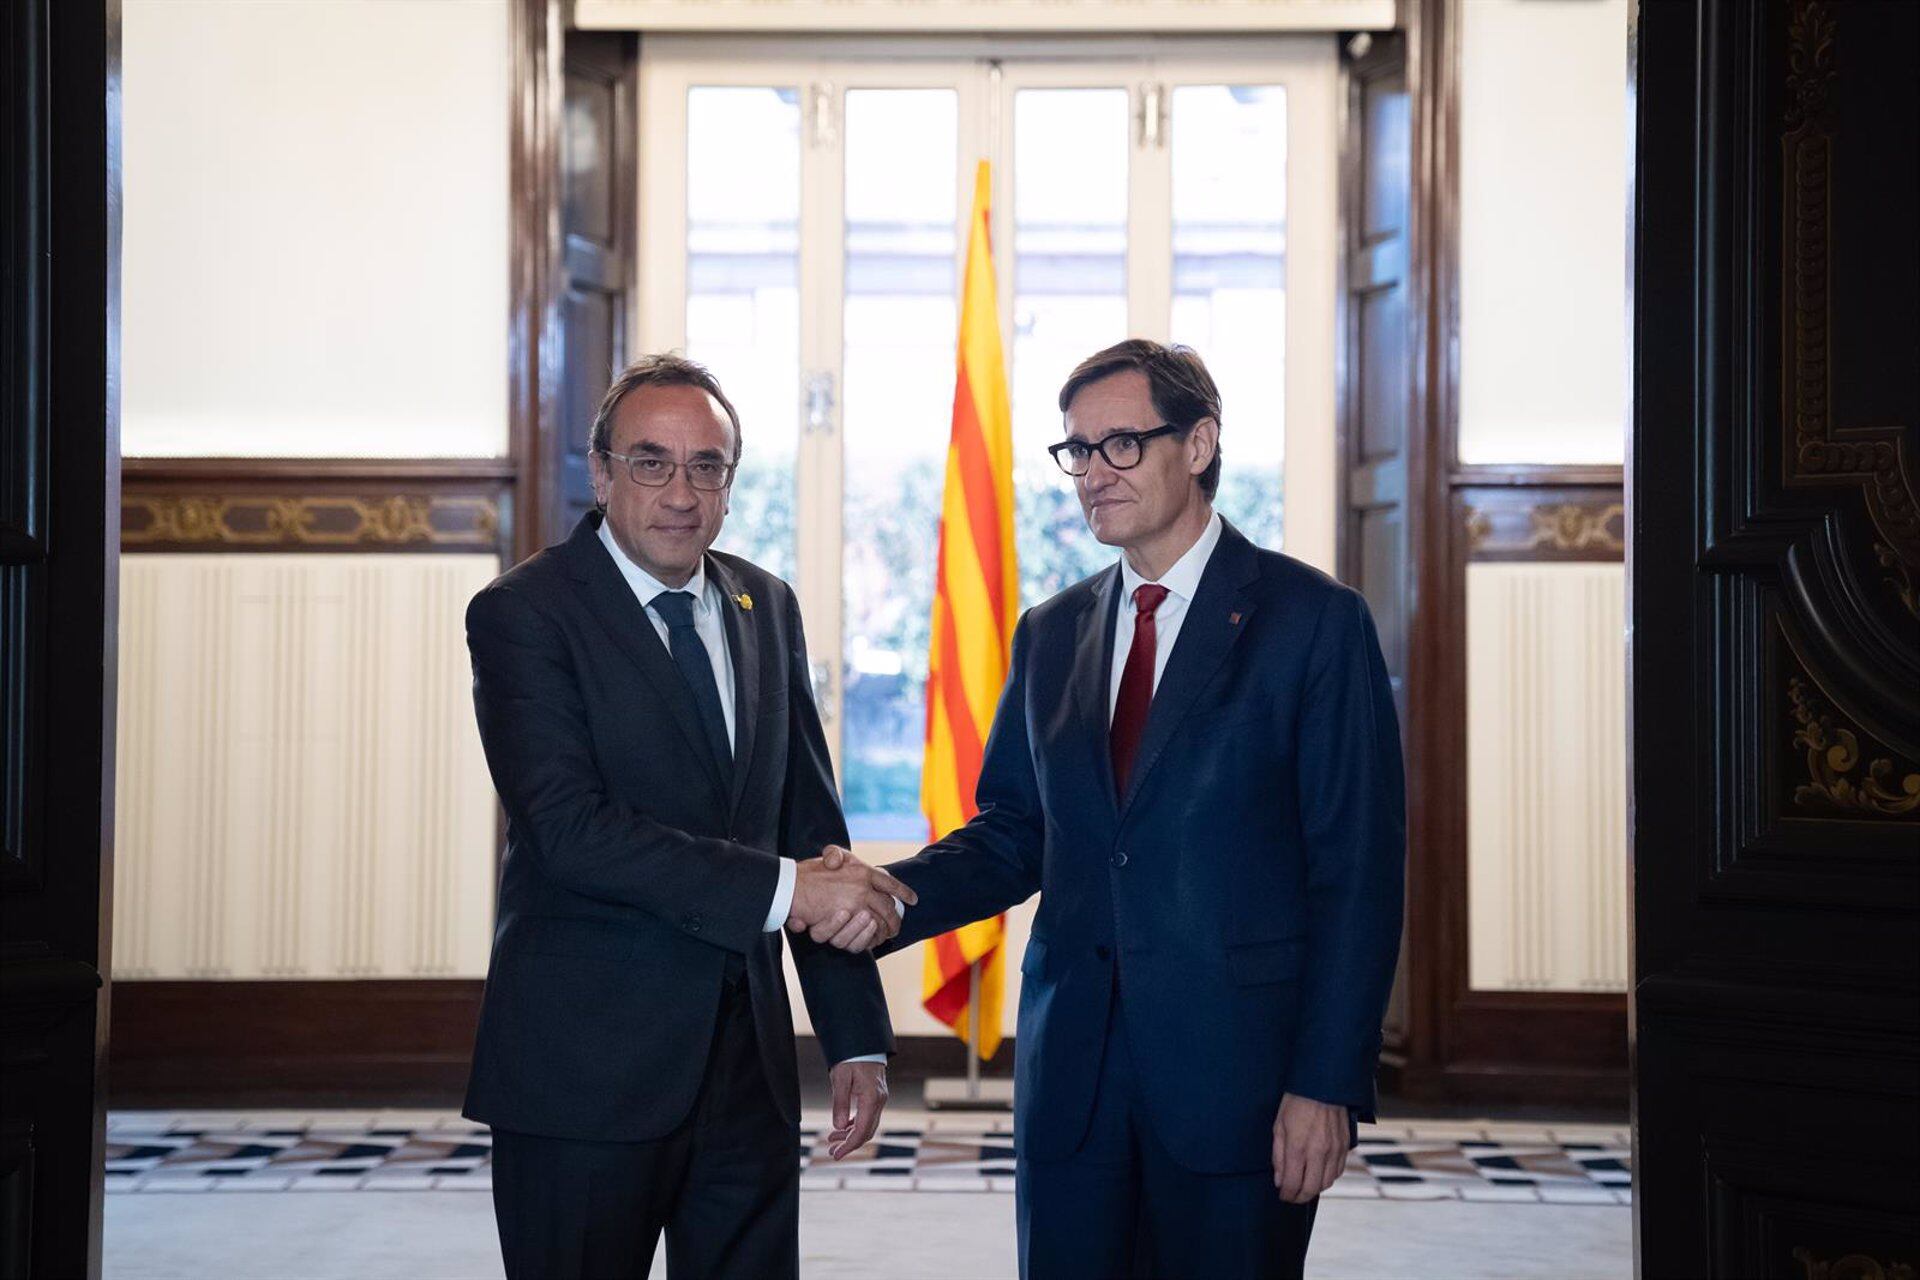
[(803, 210)]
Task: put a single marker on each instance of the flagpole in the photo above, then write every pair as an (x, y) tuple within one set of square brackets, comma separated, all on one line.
[(975, 1092), (973, 1032)]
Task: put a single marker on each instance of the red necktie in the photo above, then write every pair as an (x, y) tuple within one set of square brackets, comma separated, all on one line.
[(1136, 685)]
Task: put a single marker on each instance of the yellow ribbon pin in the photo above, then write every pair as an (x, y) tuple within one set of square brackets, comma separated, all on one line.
[(745, 601)]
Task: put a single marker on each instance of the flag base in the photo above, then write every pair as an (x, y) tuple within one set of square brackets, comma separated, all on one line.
[(955, 1094)]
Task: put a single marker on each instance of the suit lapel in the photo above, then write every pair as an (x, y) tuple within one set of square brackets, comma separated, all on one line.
[(1093, 674), (1216, 616), (625, 619), (743, 645)]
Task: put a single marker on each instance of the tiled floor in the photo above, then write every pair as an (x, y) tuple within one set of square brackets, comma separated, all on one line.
[(1486, 1161), (1442, 1201)]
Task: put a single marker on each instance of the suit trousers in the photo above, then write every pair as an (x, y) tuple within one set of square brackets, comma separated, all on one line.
[(724, 1186), (1122, 1206)]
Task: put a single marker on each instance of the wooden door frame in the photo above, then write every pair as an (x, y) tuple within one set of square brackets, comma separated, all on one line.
[(1458, 1042), (59, 429)]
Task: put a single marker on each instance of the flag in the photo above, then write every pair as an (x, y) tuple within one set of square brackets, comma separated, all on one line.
[(975, 603)]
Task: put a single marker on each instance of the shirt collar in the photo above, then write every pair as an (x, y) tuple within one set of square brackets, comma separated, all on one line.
[(644, 584), (1183, 579)]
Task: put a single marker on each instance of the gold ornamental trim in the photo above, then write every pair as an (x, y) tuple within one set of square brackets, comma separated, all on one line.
[(1851, 1266), (320, 521), (1834, 755), (1551, 528)]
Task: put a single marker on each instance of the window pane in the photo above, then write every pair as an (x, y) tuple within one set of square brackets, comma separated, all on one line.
[(900, 332), (1229, 280), (1070, 156), (743, 297)]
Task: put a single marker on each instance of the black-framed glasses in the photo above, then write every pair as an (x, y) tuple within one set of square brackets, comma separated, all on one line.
[(655, 472), (1122, 449)]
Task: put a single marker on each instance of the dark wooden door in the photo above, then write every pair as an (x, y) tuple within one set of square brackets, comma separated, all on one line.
[(1774, 561), (597, 158), (59, 539), (1376, 374)]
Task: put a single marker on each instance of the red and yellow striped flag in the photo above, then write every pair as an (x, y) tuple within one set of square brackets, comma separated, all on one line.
[(975, 603)]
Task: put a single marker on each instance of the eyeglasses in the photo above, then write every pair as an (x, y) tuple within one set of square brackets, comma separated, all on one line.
[(1121, 450), (656, 472)]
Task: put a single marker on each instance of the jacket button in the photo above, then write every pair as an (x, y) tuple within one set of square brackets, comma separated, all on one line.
[(693, 924), (1119, 857), (1102, 953)]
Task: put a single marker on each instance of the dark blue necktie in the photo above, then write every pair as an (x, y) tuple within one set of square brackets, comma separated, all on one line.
[(696, 668)]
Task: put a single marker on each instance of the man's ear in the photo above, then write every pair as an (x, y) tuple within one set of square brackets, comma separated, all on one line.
[(1203, 442), (600, 475)]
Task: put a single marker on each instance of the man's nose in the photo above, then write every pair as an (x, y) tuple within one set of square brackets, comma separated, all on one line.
[(680, 494), (1100, 472)]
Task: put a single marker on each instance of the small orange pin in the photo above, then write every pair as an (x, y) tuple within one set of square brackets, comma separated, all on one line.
[(1233, 619), (745, 601)]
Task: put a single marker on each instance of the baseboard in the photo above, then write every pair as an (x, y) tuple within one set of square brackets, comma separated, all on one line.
[(290, 1044), (179, 1045)]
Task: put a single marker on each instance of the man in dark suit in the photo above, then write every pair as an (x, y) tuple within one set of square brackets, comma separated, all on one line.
[(647, 718), (1196, 764)]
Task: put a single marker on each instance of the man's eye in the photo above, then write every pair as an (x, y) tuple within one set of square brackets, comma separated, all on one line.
[(650, 466), (1079, 452), (705, 470)]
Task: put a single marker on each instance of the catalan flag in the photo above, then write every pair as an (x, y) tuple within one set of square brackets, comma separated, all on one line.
[(975, 603)]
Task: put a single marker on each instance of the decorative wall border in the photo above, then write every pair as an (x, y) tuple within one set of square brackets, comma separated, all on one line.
[(1544, 522), (303, 504)]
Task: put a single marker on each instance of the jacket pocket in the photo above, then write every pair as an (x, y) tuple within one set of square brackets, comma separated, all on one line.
[(1253, 963)]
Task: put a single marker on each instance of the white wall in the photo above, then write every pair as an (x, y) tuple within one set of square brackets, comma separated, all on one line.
[(1543, 230), (315, 253)]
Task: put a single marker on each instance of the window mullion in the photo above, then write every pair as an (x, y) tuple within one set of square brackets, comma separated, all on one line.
[(819, 463), (1150, 209)]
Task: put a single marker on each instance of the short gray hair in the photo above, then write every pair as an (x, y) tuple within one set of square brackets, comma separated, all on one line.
[(661, 369)]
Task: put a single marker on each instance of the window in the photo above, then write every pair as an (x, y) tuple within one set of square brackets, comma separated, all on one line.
[(802, 233)]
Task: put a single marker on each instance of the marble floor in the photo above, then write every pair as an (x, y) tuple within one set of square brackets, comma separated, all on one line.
[(1455, 1198)]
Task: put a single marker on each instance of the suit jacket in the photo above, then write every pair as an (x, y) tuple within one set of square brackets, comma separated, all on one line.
[(631, 871), (1245, 891)]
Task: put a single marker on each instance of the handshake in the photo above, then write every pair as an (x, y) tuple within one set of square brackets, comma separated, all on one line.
[(839, 900)]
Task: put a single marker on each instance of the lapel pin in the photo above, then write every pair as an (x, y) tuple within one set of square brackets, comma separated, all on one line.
[(745, 601), (1233, 619)]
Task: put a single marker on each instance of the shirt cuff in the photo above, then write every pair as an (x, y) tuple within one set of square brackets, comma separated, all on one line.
[(782, 897), (865, 1057)]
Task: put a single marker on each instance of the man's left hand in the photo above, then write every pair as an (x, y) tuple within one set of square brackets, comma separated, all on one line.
[(1309, 1147), (859, 1096)]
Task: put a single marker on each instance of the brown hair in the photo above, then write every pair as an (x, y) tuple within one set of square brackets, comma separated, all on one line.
[(662, 369), (1184, 394)]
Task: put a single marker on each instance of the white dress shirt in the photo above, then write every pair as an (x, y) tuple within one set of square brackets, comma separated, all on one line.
[(1181, 581), (713, 634)]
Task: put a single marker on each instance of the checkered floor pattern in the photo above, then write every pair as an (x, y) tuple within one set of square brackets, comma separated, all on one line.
[(438, 1151)]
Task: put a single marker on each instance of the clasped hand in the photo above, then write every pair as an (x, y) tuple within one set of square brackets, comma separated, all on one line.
[(839, 900)]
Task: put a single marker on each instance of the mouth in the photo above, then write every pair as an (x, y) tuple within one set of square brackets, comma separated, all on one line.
[(677, 530)]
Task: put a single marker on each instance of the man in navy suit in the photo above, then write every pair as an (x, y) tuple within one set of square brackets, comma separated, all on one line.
[(646, 713), (1196, 764)]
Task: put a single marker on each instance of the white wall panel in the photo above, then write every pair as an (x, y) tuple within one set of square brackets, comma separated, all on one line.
[(315, 256), (1546, 781), (301, 787), (1543, 230)]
